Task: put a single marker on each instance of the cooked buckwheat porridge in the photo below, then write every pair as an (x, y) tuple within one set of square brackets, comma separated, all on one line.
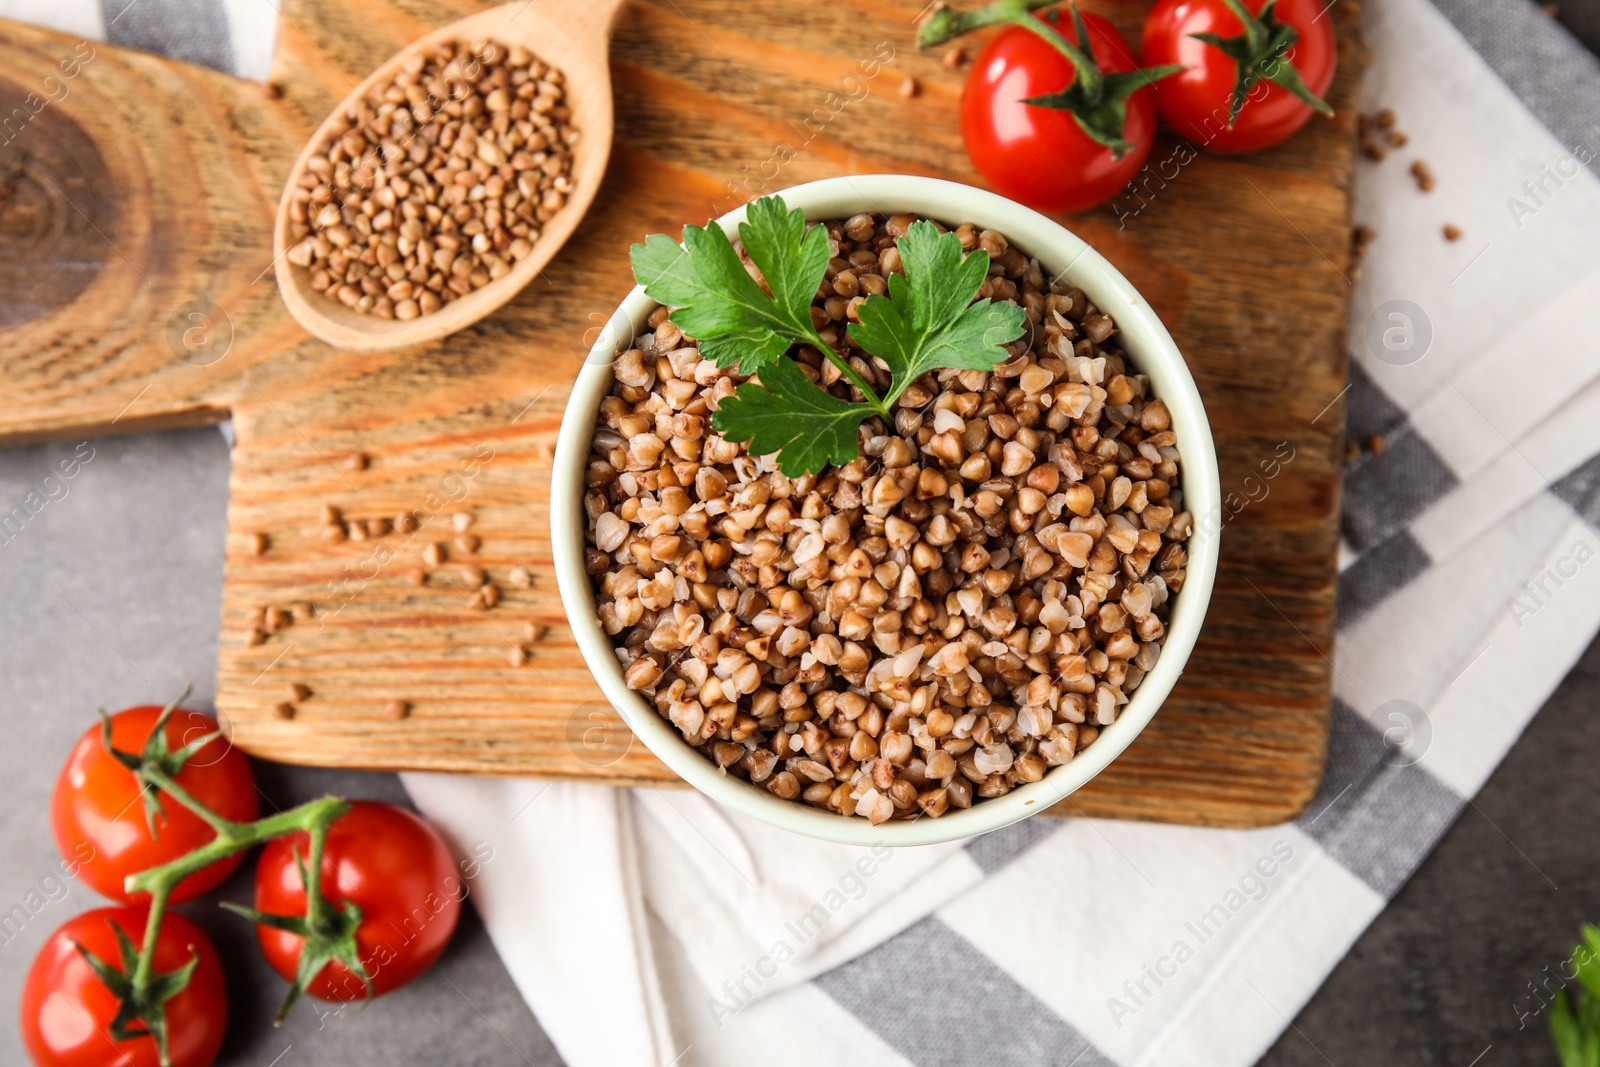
[(936, 623)]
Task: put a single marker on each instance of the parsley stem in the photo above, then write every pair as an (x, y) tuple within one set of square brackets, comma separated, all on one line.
[(881, 406)]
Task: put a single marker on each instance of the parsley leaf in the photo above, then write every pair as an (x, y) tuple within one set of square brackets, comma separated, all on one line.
[(1575, 1014), (928, 320), (788, 414), (716, 301), (792, 258)]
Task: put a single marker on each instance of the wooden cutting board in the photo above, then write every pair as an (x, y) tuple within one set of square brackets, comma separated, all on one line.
[(136, 199)]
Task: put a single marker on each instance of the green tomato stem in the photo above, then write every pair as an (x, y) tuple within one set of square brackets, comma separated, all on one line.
[(948, 24), (1255, 30), (1086, 72), (312, 818), (238, 837), (155, 770), (144, 970), (317, 906), (156, 778)]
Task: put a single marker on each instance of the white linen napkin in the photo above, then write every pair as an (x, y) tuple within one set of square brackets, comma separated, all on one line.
[(558, 888), (575, 867)]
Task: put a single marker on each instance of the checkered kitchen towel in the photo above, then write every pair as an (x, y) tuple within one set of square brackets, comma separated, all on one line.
[(651, 927)]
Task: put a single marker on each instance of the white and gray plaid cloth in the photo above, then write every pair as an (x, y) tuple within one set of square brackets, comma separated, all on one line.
[(650, 927)]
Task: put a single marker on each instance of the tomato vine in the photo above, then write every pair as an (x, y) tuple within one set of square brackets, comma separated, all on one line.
[(327, 929)]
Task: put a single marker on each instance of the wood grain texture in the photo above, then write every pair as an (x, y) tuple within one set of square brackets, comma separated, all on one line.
[(143, 203)]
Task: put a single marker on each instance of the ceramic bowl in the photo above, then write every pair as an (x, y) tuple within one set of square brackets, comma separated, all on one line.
[(1152, 351)]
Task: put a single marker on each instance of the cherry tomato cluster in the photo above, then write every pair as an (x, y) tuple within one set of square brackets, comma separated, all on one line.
[(1057, 112), (154, 792)]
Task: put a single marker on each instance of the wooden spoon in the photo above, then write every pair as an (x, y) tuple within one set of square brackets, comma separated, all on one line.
[(571, 35)]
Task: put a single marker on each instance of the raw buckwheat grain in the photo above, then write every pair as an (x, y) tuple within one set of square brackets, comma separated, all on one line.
[(939, 621)]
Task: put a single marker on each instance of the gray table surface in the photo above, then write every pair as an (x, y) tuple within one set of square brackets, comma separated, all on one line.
[(111, 597)]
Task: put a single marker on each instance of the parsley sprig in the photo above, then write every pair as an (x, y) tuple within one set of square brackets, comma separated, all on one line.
[(929, 320), (1575, 1022)]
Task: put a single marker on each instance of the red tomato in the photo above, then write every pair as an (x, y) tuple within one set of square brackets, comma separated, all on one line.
[(1195, 103), (67, 1011), (392, 865), (1040, 155), (99, 819)]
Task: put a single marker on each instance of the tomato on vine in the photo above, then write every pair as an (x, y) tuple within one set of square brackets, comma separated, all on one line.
[(94, 997), (112, 821), (1253, 72), (79, 1007), (398, 895), (1055, 113)]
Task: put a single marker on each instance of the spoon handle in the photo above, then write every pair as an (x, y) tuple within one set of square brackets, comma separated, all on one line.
[(530, 21)]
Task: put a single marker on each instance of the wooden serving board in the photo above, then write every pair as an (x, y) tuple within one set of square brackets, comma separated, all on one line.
[(135, 218)]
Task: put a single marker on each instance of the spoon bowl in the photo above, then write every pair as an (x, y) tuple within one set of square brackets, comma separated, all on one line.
[(572, 35)]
